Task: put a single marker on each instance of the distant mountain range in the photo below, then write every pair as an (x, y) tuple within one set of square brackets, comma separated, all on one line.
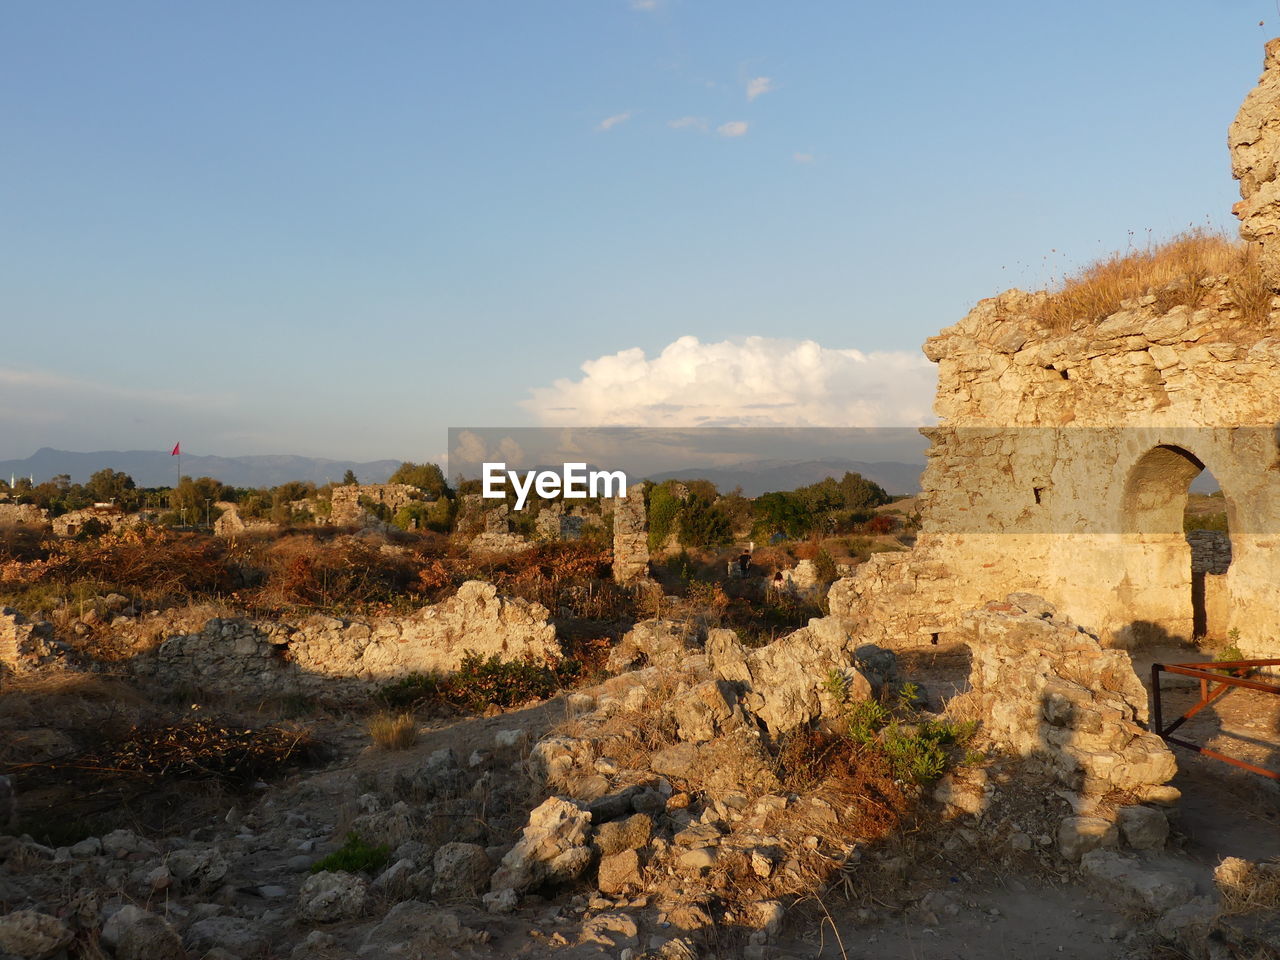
[(762, 476), (157, 468)]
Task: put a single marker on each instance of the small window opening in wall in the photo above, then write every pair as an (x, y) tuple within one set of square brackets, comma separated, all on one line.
[(1038, 492), (933, 639)]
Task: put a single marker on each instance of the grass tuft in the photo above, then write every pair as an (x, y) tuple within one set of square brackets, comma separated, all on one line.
[(394, 731), (354, 856)]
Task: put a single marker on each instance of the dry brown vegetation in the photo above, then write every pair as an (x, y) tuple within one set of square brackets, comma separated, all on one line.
[(394, 731), (1169, 271), (300, 571), (1247, 887), (90, 753)]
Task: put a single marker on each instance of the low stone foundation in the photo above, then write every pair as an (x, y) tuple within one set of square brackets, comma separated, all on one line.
[(327, 655), (1050, 692)]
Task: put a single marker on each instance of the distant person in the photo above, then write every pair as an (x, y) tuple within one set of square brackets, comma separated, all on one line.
[(744, 564)]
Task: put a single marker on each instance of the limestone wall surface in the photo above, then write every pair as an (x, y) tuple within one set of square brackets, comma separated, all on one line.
[(1064, 452), (325, 654), (630, 536), (347, 510), (22, 514), (1050, 692), (1254, 141), (1062, 461)]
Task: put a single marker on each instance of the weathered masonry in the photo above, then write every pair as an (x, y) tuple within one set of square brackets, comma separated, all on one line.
[(1063, 456)]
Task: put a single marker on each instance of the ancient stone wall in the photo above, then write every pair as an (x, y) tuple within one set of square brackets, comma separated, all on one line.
[(1254, 141), (110, 518), (1064, 453), (347, 510), (230, 523), (1062, 462), (1210, 551), (1050, 692), (26, 646), (630, 536), (22, 514), (327, 655)]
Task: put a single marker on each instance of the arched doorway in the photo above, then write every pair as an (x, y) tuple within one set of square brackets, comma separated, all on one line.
[(1166, 596)]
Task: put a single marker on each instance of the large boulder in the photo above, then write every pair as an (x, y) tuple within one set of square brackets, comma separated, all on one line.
[(786, 682), (1049, 690), (654, 643), (461, 870), (31, 935), (553, 848), (329, 896)]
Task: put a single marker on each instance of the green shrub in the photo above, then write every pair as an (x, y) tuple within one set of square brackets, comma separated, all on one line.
[(664, 507), (825, 567), (411, 691), (921, 752), (1205, 521), (918, 749), (354, 856)]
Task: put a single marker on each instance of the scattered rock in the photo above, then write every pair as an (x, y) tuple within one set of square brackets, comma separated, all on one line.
[(1143, 828), (197, 869), (613, 930), (1078, 835), (552, 848), (461, 870), (329, 896), (620, 873), (630, 834), (1146, 885), (232, 934), (32, 935), (413, 929)]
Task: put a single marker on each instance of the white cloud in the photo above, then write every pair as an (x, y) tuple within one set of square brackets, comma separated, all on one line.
[(759, 85), (689, 123), (802, 157), (608, 123), (756, 382), (734, 128)]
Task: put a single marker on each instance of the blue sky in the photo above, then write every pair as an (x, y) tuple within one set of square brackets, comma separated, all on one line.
[(339, 228)]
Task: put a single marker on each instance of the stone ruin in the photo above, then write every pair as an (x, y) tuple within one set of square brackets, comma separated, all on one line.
[(22, 514), (230, 523), (324, 654), (1062, 458), (348, 511), (630, 536), (26, 646), (1254, 139)]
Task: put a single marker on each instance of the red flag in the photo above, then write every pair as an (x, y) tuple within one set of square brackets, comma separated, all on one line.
[(177, 449)]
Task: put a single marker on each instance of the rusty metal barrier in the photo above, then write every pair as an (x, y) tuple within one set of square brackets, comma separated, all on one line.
[(1212, 686)]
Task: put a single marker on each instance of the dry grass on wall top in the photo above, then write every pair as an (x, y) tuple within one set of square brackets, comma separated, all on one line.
[(1170, 271)]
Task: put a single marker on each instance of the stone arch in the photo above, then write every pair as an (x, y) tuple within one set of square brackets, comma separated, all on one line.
[(1161, 596)]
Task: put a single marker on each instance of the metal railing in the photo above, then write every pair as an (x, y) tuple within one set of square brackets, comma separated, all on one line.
[(1215, 678)]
